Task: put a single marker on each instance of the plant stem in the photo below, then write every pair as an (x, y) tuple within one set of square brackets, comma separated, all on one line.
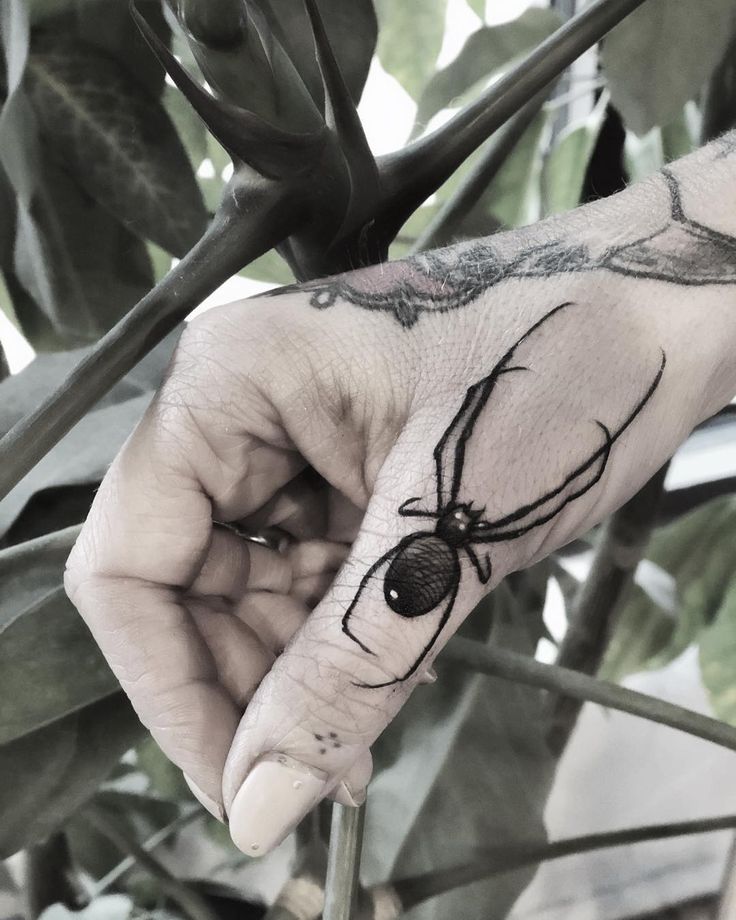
[(233, 240), (150, 844), (621, 547), (444, 225), (190, 901), (50, 876), (343, 864), (508, 665), (411, 175), (412, 891)]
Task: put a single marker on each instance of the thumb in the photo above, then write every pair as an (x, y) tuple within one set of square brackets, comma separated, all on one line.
[(355, 661)]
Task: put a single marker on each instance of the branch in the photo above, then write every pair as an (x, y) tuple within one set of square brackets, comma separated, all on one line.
[(621, 547), (190, 901), (413, 891), (411, 175), (343, 864), (155, 840), (446, 222), (240, 232), (498, 662)]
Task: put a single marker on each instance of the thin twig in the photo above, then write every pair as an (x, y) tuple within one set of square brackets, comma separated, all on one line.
[(148, 845), (190, 901), (412, 891), (508, 665), (621, 547)]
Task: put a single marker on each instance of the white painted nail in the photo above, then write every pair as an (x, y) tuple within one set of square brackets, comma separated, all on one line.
[(277, 793), (344, 795), (213, 807), (428, 677)]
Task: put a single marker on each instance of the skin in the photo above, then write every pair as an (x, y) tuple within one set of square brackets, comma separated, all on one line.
[(323, 421)]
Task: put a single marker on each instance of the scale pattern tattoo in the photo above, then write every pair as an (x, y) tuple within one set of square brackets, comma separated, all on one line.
[(421, 575), (683, 251)]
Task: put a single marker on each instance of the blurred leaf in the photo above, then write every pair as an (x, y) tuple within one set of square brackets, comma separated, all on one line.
[(409, 40), (699, 551), (50, 666), (661, 55), (269, 267), (563, 174), (513, 198), (647, 154), (468, 754), (478, 7), (49, 774), (718, 655), (351, 29), (82, 456), (23, 392), (118, 142), (163, 777), (719, 104), (483, 54), (95, 268), (189, 126)]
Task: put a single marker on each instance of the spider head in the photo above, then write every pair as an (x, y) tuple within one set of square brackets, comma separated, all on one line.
[(458, 524)]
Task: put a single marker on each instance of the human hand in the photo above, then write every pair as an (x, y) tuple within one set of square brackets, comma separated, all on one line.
[(420, 430)]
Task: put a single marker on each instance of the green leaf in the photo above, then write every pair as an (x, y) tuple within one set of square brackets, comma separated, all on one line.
[(23, 392), (563, 174), (50, 773), (44, 681), (351, 29), (718, 655), (468, 755), (117, 141), (478, 7), (93, 268), (699, 551), (645, 155), (83, 456), (513, 198), (409, 39), (719, 104), (189, 126), (269, 267), (661, 55), (484, 53)]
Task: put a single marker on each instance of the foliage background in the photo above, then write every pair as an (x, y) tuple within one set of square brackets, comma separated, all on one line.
[(105, 176)]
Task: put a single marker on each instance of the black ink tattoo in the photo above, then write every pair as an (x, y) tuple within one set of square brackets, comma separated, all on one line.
[(422, 573), (683, 251)]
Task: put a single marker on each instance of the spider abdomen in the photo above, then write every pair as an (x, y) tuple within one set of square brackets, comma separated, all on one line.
[(423, 572)]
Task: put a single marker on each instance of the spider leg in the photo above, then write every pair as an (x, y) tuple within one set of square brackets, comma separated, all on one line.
[(406, 511), (449, 454), (575, 484), (482, 564)]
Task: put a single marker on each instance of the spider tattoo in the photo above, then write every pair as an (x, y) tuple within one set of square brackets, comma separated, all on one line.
[(421, 574)]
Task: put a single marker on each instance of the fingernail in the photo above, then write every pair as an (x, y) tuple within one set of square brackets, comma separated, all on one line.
[(277, 793), (344, 795), (213, 807), (428, 677)]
